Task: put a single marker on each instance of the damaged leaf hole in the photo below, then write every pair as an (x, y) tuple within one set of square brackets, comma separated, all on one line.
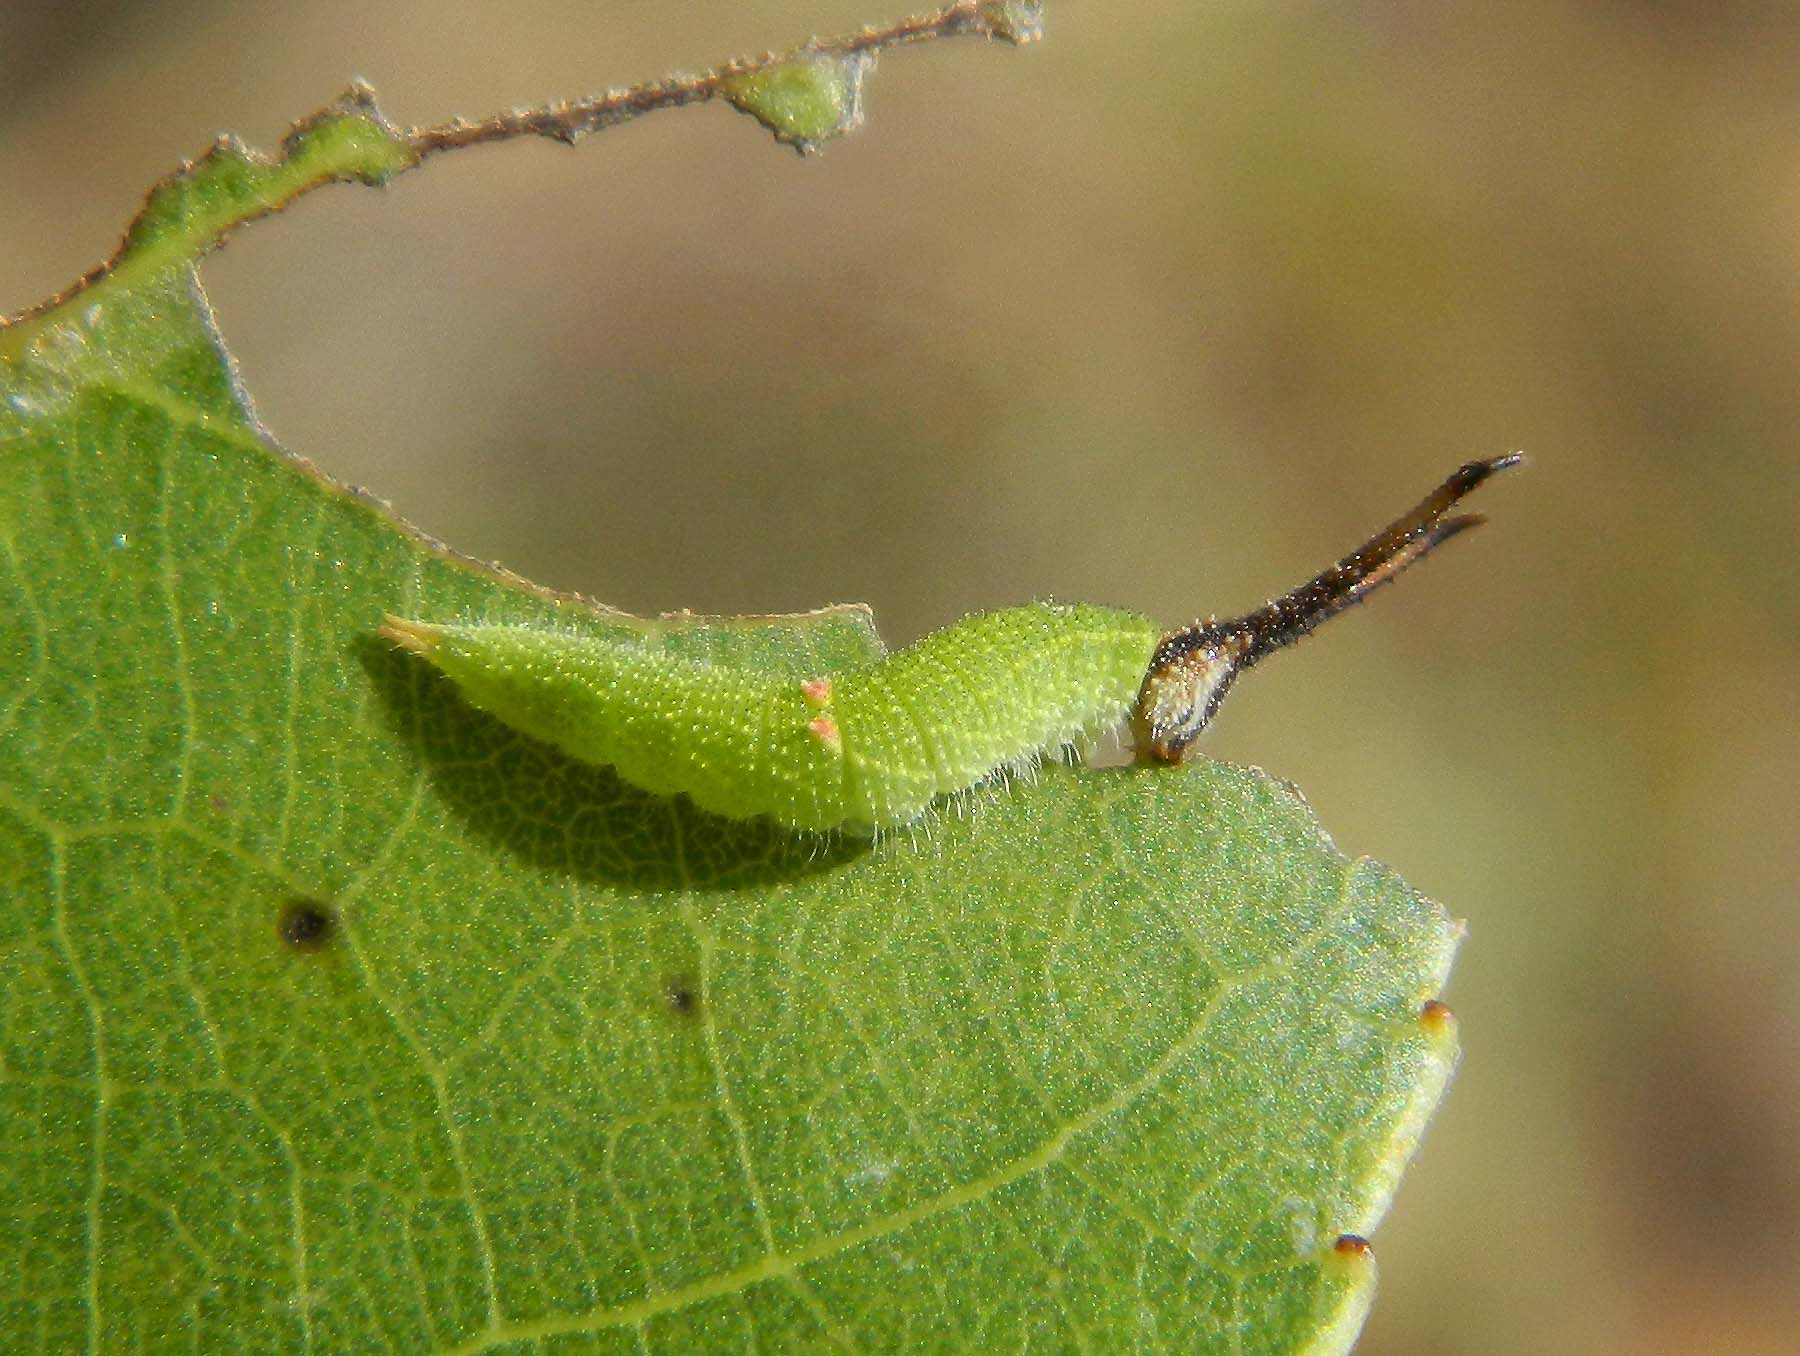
[(307, 924)]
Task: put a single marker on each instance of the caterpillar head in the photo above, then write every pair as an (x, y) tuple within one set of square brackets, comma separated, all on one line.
[(1189, 675)]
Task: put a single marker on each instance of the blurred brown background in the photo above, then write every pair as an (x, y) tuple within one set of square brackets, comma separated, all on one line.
[(1165, 312)]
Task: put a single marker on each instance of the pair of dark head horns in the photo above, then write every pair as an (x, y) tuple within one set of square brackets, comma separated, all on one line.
[(1194, 668)]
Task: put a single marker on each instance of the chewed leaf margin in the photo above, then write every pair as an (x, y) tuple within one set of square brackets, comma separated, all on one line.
[(324, 969), (804, 97)]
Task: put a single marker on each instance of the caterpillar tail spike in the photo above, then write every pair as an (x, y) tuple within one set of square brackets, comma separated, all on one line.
[(1193, 668)]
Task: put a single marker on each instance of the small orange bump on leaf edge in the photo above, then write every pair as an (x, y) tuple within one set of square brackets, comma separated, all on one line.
[(1353, 1246), (1435, 1016)]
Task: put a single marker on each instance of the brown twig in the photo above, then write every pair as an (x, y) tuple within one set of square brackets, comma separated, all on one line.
[(998, 20), (1015, 21)]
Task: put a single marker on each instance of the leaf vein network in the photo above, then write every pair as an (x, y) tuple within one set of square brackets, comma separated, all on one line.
[(777, 1265)]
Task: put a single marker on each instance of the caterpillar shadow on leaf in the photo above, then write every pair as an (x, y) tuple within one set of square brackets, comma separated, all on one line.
[(527, 799), (871, 749)]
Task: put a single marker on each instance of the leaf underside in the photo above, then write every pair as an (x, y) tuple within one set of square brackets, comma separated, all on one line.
[(338, 1016)]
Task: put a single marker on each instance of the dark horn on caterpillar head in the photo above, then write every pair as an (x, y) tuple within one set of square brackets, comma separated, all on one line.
[(1194, 668)]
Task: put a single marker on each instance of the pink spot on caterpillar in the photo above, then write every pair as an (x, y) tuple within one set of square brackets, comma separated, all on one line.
[(817, 692), (826, 730)]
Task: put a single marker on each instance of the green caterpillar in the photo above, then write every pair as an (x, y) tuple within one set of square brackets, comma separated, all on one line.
[(871, 748)]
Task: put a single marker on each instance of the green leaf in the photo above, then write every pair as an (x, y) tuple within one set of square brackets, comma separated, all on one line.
[(338, 1016), (804, 102)]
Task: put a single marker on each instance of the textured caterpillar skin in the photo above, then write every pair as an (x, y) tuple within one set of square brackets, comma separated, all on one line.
[(862, 750)]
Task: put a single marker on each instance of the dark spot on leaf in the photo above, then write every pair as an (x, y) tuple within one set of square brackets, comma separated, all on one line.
[(682, 996), (306, 924), (1352, 1245)]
